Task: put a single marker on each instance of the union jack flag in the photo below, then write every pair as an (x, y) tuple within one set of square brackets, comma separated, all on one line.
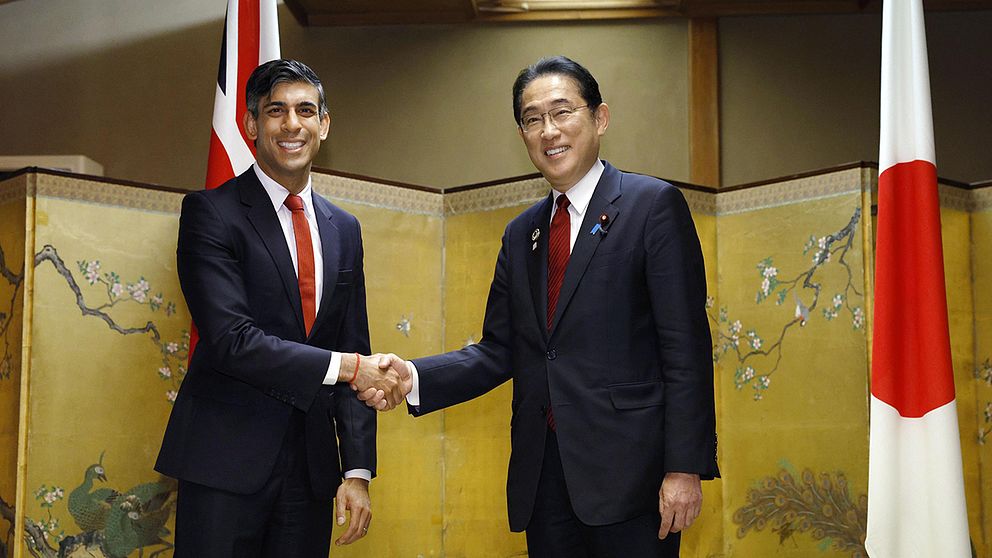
[(251, 37)]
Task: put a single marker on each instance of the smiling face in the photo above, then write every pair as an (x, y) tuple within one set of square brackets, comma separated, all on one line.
[(288, 132), (563, 153)]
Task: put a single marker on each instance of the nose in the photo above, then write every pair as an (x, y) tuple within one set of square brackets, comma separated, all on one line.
[(548, 127), (292, 122)]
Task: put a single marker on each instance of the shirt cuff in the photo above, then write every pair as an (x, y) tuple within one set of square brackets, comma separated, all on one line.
[(332, 372), (413, 398), (363, 474)]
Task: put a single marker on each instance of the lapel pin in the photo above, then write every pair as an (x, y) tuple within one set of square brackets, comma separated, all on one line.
[(536, 234), (600, 227), (533, 247)]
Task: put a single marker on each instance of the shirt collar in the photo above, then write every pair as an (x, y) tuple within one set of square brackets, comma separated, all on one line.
[(278, 193), (580, 194)]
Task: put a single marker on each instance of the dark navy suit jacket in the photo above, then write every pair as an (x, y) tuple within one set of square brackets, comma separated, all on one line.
[(254, 363), (627, 365)]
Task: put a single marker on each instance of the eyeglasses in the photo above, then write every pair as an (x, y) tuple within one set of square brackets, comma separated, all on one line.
[(559, 117)]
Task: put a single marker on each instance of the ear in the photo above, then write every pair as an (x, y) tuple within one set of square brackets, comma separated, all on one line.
[(251, 126), (325, 126), (602, 114)]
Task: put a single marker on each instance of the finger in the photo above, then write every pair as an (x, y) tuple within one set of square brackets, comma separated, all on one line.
[(353, 532), (346, 535), (366, 394), (397, 396), (386, 361), (666, 522), (356, 525), (341, 505), (364, 520), (697, 508), (382, 406), (678, 520), (372, 397)]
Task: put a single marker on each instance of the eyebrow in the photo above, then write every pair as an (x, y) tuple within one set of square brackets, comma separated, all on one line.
[(554, 103), (306, 104)]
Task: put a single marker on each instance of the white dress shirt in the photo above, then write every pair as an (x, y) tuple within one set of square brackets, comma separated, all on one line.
[(278, 194), (579, 197)]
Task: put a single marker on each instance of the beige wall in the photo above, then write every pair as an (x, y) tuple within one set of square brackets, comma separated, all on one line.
[(422, 104), (802, 93), (131, 85)]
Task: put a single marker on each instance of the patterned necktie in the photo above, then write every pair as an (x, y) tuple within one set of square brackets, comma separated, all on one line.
[(558, 253), (304, 260)]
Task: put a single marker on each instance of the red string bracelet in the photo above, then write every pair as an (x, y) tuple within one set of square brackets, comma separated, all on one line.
[(358, 362)]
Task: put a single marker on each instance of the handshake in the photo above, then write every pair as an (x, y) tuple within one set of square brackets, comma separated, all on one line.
[(382, 381)]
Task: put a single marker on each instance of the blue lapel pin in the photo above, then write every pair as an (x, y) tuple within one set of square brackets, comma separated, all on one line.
[(600, 227)]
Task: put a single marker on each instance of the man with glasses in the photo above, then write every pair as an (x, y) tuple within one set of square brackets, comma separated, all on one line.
[(597, 314)]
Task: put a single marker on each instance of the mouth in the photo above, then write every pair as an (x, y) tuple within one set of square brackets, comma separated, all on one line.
[(555, 152), (291, 146)]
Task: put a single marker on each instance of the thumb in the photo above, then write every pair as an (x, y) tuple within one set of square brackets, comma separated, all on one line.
[(385, 361), (341, 507)]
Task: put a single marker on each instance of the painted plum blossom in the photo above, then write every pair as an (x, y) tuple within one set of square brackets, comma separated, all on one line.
[(174, 353), (757, 358)]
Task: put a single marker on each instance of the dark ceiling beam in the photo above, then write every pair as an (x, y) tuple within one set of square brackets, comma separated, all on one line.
[(384, 12)]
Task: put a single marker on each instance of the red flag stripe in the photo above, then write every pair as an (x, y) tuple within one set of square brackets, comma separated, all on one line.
[(912, 360), (219, 168), (248, 14)]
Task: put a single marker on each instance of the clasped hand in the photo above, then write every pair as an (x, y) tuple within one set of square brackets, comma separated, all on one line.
[(382, 381)]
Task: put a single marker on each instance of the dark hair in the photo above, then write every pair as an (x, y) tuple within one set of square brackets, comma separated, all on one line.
[(560, 65), (263, 80)]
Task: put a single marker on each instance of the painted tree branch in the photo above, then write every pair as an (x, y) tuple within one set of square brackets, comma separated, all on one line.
[(7, 514), (983, 373), (51, 255), (7, 273), (6, 318), (730, 334)]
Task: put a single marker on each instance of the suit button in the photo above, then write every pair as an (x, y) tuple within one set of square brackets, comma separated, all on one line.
[(552, 354)]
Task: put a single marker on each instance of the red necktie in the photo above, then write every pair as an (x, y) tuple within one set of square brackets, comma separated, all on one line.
[(558, 252), (304, 260)]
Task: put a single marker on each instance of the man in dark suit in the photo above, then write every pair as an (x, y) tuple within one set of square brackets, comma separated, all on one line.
[(597, 314), (264, 423)]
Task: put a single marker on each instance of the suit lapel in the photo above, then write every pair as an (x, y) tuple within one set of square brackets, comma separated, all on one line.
[(607, 191), (329, 246), (537, 261), (265, 222)]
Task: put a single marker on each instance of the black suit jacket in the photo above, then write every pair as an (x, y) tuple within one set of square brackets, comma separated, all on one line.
[(254, 363), (627, 364)]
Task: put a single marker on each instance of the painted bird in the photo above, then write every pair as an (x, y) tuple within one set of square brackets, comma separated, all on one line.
[(802, 312), (89, 507), (137, 518)]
